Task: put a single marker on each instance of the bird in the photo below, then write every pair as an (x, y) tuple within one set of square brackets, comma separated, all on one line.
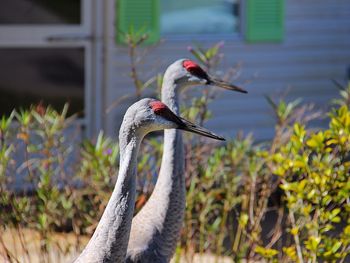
[(110, 239), (155, 229)]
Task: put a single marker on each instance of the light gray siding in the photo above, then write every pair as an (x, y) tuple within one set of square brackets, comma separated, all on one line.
[(316, 49)]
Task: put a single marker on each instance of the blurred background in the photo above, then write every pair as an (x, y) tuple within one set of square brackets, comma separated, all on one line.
[(101, 55), (59, 51)]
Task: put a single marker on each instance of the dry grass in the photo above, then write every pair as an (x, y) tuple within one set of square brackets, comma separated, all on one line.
[(24, 245)]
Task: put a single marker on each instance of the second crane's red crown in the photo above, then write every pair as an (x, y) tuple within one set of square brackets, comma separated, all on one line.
[(194, 69), (189, 64)]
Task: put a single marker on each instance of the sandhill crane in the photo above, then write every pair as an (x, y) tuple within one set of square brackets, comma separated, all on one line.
[(156, 228), (110, 239)]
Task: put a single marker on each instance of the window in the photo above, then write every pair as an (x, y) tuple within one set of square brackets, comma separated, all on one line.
[(199, 16), (46, 56), (14, 12), (53, 76), (263, 19)]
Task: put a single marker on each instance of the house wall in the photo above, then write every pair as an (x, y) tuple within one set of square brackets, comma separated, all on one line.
[(315, 50)]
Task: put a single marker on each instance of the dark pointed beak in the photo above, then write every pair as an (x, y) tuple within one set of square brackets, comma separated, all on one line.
[(189, 126), (184, 124), (224, 85)]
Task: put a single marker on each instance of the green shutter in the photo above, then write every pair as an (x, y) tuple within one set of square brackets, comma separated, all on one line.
[(138, 15), (265, 20)]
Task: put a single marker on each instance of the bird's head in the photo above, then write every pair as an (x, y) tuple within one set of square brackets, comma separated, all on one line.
[(149, 115), (186, 72)]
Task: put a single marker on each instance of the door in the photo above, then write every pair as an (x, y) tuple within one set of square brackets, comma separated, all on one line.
[(48, 54)]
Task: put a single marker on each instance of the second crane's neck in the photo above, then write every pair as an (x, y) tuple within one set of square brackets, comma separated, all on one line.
[(173, 146), (170, 93), (172, 166), (167, 202), (172, 161)]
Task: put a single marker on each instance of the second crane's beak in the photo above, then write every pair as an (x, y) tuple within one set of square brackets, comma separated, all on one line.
[(189, 126), (224, 85)]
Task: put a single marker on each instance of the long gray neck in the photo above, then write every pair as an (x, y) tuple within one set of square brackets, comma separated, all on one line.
[(110, 240), (161, 218), (172, 166), (170, 94), (169, 193), (170, 187)]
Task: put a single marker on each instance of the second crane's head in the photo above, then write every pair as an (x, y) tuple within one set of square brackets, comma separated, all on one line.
[(185, 72), (149, 115)]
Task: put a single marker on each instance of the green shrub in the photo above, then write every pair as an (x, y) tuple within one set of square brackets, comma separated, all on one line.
[(314, 170)]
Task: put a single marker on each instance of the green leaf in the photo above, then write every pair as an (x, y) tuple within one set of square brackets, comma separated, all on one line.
[(267, 253)]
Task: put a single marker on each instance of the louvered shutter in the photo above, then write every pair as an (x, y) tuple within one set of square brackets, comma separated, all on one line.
[(139, 15), (265, 20)]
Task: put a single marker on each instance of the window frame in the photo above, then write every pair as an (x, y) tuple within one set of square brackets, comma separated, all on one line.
[(66, 36)]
